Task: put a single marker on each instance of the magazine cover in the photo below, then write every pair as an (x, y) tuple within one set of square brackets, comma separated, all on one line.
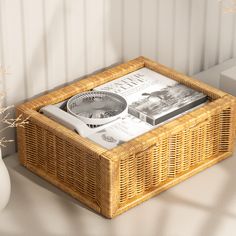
[(153, 97), (133, 85)]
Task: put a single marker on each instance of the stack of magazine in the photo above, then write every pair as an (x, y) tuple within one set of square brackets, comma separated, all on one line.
[(153, 100)]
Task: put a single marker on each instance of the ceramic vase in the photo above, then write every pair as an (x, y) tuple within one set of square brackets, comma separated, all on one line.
[(5, 184)]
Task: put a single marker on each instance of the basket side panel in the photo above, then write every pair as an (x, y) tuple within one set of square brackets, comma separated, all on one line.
[(177, 152), (70, 167), (109, 186), (233, 107), (227, 118), (142, 171)]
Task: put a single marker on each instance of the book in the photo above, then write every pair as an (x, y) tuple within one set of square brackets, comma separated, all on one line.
[(153, 97)]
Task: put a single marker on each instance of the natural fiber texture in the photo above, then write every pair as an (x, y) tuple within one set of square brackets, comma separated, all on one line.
[(110, 182), (235, 117)]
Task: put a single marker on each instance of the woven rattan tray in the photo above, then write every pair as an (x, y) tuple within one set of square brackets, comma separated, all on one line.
[(111, 182)]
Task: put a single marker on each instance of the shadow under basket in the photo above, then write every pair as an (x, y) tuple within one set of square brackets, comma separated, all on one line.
[(112, 181)]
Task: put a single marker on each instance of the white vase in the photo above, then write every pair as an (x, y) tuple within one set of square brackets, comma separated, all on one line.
[(5, 184)]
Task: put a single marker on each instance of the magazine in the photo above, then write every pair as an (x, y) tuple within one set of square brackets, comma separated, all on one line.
[(126, 129), (153, 97), (153, 100)]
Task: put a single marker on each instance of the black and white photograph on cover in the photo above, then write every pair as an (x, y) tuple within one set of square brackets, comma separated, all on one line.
[(157, 103)]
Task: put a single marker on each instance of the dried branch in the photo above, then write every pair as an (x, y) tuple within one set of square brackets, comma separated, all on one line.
[(11, 123), (5, 109), (5, 121), (3, 141)]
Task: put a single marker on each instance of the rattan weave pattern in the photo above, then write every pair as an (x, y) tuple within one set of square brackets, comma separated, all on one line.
[(177, 153), (110, 182)]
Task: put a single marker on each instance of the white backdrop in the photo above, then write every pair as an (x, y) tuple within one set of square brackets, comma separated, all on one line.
[(47, 43)]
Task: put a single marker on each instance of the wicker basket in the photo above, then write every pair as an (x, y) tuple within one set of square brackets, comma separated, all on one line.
[(111, 182)]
